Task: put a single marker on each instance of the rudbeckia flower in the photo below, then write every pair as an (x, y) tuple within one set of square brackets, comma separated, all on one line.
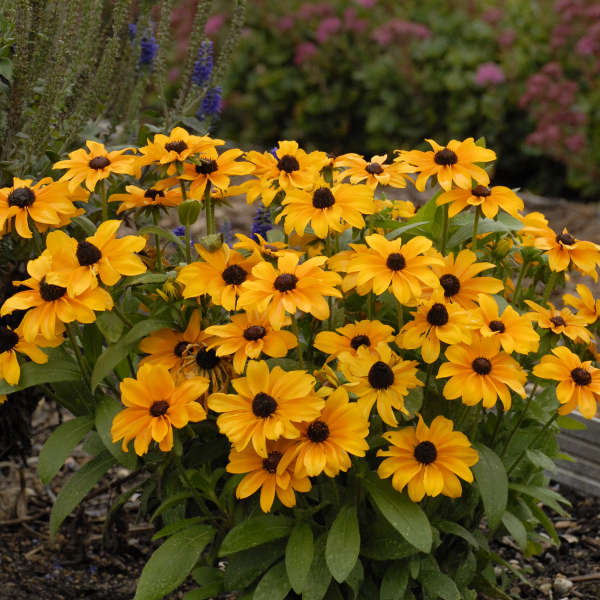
[(480, 371), (154, 405), (383, 380), (95, 165), (50, 305), (221, 275), (459, 278), (588, 307), (247, 336), (76, 264), (264, 473), (267, 405), (326, 443), (455, 162), (579, 385), (488, 199), (326, 208), (373, 172), (157, 195), (435, 322), (290, 287), (386, 264), (429, 460), (559, 321), (46, 203), (514, 331), (352, 336), (260, 246)]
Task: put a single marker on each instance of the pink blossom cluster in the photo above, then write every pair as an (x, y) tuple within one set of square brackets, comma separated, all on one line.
[(578, 24), (489, 73), (397, 30)]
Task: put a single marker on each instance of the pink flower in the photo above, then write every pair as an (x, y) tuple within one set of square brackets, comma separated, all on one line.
[(489, 74), (586, 46), (575, 143), (492, 15), (327, 28), (506, 38), (304, 51), (367, 3), (285, 23), (214, 23)]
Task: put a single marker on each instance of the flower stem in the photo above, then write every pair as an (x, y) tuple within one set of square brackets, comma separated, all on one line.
[(475, 226), (121, 316), (444, 230), (82, 365), (159, 265), (188, 251), (297, 334), (210, 210), (522, 273), (519, 421), (103, 195), (549, 287)]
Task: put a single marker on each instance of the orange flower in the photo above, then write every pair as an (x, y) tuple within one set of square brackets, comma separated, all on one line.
[(488, 199)]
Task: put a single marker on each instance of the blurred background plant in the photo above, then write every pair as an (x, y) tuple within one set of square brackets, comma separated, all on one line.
[(371, 75)]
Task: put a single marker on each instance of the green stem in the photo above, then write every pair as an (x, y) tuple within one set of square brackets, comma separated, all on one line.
[(549, 287), (444, 230), (522, 273), (499, 421), (159, 263), (209, 207), (82, 364), (103, 196), (370, 305), (297, 334), (519, 421), (475, 226), (188, 249), (121, 316)]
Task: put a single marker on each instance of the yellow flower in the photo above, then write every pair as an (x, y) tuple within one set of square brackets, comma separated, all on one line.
[(403, 209), (221, 275), (157, 195), (374, 172), (154, 405), (290, 287), (46, 204), (326, 208), (266, 406), (76, 264), (95, 165), (435, 322), (260, 246), (247, 336), (263, 473), (392, 264), (428, 459), (352, 336), (514, 331), (488, 199), (479, 371), (459, 278), (383, 380), (559, 321), (325, 444), (579, 385), (50, 304), (588, 308), (455, 162)]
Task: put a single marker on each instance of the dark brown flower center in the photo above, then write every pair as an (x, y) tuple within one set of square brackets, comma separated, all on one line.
[(380, 376), (87, 254), (180, 348), (159, 408), (271, 463), (374, 168), (288, 163), (8, 339), (557, 321), (21, 197), (497, 325), (254, 332), (263, 405), (482, 366), (285, 282), (425, 453), (445, 157), (323, 198), (565, 238), (206, 166), (451, 284), (317, 432), (581, 377), (207, 359), (481, 191), (395, 261), (153, 194), (177, 146), (360, 340), (99, 162), (50, 292), (437, 315), (234, 275)]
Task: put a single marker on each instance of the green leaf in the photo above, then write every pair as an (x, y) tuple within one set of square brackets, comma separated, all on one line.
[(394, 582), (546, 496), (60, 444), (274, 584), (171, 501), (319, 576), (170, 564), (504, 224), (211, 581), (356, 578), (544, 520), (163, 233), (492, 481), (146, 278), (403, 514), (398, 231), (458, 530), (77, 487), (115, 353), (254, 532), (343, 543), (51, 372), (298, 555), (105, 413), (438, 584), (86, 225), (570, 423), (110, 326), (172, 528), (541, 460), (515, 528), (244, 567)]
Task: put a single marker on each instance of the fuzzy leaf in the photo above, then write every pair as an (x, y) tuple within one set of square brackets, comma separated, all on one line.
[(274, 584), (343, 543), (492, 481), (298, 555)]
